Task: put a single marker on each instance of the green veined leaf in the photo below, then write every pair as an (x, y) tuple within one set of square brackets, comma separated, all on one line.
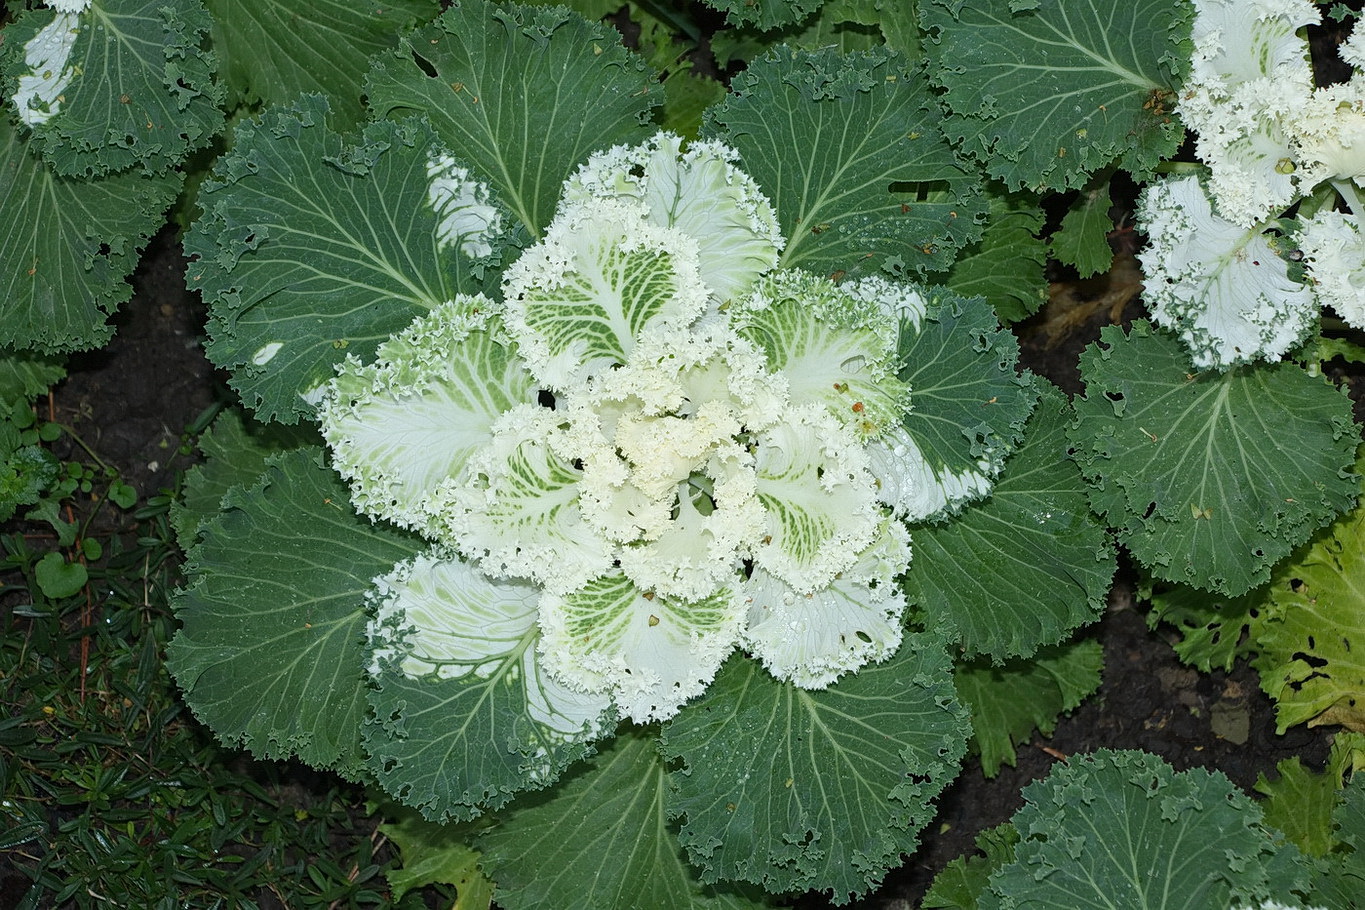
[(69, 247), (1210, 478), (765, 15), (1214, 629), (578, 301), (274, 50), (1340, 879), (1009, 702), (516, 510), (1025, 567), (1006, 265), (1083, 238), (270, 654), (312, 248), (795, 789), (867, 182), (524, 95), (435, 853), (235, 450), (134, 85), (601, 839), (465, 712), (1124, 829), (968, 406), (1046, 93)]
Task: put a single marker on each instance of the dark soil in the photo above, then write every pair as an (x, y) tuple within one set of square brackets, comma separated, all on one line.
[(133, 400)]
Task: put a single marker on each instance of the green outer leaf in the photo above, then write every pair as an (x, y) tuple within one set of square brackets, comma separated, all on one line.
[(765, 15), (795, 789), (143, 92), (968, 402), (69, 247), (1006, 265), (1047, 95), (235, 450), (1310, 628), (602, 839), (1124, 829), (1214, 629), (863, 180), (271, 650), (1341, 878), (962, 881), (1083, 238), (1008, 703), (311, 249), (434, 853), (275, 50), (1025, 567), (1299, 803), (524, 95), (25, 375), (1209, 479)]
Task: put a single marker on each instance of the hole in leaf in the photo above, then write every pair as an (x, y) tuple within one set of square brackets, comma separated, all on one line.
[(424, 65), (545, 399)]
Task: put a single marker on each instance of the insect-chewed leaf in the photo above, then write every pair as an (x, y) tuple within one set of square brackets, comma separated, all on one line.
[(270, 653), (1308, 628)]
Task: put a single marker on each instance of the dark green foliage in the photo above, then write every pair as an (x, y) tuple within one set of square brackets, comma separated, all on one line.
[(110, 794)]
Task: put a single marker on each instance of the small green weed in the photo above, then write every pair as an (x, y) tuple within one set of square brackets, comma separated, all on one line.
[(110, 793)]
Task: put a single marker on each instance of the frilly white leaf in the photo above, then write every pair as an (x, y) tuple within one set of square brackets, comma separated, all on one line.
[(1250, 72), (464, 713), (813, 639), (1220, 286), (440, 617), (401, 426), (699, 192), (816, 485), (650, 653), (1329, 134), (515, 509), (1334, 249), (829, 345), (604, 274)]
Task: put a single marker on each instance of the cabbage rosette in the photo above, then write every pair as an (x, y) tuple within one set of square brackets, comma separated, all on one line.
[(657, 448)]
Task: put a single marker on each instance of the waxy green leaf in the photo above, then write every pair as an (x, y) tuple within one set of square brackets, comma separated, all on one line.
[(270, 654), (873, 185), (312, 248), (1046, 93), (795, 789), (1210, 478), (523, 94)]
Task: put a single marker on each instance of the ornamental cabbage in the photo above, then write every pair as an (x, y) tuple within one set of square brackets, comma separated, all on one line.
[(656, 447)]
